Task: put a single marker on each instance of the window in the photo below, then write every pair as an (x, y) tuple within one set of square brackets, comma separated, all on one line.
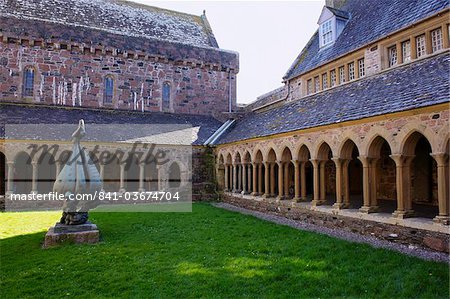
[(309, 87), (326, 33), (333, 78), (420, 45), (341, 75), (406, 51), (324, 81), (392, 51), (316, 84), (166, 96), (436, 40), (28, 82), (351, 71), (361, 68), (109, 90)]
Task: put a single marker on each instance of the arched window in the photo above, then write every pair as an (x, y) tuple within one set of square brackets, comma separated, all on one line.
[(166, 96), (108, 93), (28, 82)]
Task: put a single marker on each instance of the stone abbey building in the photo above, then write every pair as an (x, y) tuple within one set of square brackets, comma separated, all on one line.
[(356, 138)]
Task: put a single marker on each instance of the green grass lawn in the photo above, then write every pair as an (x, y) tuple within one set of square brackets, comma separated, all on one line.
[(207, 253)]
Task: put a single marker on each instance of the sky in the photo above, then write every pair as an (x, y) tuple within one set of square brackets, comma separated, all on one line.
[(268, 36)]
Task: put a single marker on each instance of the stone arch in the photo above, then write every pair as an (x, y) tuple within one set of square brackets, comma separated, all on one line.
[(383, 189), (303, 153), (323, 151), (174, 175), (372, 135), (442, 139), (412, 128), (22, 175), (257, 149), (352, 174), (282, 147), (345, 148), (111, 177), (422, 175), (46, 177)]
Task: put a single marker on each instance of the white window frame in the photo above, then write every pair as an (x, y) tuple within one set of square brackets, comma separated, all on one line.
[(341, 75), (406, 51), (436, 40), (326, 32), (325, 81), (351, 71), (361, 68), (392, 55), (332, 78), (421, 45)]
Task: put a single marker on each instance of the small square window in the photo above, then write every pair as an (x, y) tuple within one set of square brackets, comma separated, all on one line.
[(392, 51), (406, 51), (420, 45), (436, 40)]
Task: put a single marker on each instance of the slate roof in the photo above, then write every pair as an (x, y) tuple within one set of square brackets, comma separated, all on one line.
[(116, 16), (369, 21), (202, 126), (419, 84)]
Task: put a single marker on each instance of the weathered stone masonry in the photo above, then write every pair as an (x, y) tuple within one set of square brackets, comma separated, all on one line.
[(70, 71)]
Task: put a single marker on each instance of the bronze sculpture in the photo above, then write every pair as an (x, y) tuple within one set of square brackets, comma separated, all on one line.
[(78, 176)]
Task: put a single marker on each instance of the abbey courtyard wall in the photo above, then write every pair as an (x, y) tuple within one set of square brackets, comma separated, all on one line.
[(69, 71)]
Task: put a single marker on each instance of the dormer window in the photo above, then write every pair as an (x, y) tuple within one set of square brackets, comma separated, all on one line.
[(326, 33), (331, 23)]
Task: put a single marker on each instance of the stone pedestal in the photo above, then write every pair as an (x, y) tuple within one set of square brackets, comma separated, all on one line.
[(71, 234)]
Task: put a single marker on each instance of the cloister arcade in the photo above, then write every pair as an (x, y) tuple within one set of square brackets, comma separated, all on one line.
[(406, 175), (22, 174)]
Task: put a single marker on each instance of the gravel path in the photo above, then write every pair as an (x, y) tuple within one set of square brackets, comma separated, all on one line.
[(349, 236)]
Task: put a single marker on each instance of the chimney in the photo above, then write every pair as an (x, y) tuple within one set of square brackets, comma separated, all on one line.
[(335, 3)]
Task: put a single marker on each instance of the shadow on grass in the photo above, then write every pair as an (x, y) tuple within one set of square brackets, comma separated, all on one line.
[(211, 252)]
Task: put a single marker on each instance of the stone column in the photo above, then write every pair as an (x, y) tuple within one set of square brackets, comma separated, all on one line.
[(272, 179), (9, 184), (316, 179), (255, 179), (244, 178), (280, 180), (403, 183), (345, 183), (239, 178), (322, 182), (226, 187), (286, 179), (442, 180), (122, 178), (338, 204), (266, 180), (102, 175), (34, 177), (373, 184), (249, 178), (234, 178), (58, 168), (260, 178), (366, 208), (141, 177), (303, 180), (296, 180)]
